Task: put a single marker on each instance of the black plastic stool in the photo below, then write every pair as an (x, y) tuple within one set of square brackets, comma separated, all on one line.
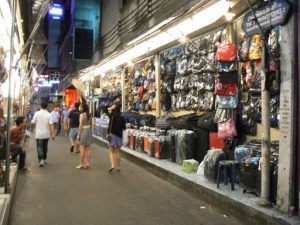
[(227, 164)]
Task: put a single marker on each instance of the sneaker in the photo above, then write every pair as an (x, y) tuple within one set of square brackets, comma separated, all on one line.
[(25, 170), (42, 162), (72, 149)]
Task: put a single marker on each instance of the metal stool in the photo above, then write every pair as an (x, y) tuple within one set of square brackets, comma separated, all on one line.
[(230, 165)]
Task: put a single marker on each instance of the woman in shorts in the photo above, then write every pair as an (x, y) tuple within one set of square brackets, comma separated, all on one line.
[(116, 127)]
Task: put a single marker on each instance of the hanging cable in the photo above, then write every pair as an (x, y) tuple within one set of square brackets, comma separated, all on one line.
[(42, 14)]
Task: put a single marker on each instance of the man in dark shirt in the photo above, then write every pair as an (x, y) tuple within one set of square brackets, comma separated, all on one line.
[(73, 124), (16, 138)]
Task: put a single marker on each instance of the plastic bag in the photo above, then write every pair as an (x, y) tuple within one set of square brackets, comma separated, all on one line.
[(125, 139)]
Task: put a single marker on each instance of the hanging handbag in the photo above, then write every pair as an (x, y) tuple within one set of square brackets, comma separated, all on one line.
[(255, 51), (225, 89), (227, 102), (231, 77), (225, 67), (226, 52), (223, 115), (227, 129)]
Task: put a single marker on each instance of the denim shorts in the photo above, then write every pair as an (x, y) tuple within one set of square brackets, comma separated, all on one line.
[(73, 133), (115, 140)]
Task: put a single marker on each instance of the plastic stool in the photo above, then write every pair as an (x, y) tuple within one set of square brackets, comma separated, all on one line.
[(227, 164)]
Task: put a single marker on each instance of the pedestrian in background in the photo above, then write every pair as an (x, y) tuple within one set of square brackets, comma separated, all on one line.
[(115, 129), (65, 114), (85, 136), (73, 124), (55, 118), (43, 129)]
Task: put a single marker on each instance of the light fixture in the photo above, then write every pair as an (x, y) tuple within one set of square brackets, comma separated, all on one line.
[(200, 19), (229, 14), (183, 39)]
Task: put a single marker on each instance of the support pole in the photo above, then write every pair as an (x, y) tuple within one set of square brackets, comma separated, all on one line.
[(265, 160), (157, 81), (123, 100), (7, 147)]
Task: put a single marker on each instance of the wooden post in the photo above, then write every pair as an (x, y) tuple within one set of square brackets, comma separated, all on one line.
[(124, 107), (157, 81)]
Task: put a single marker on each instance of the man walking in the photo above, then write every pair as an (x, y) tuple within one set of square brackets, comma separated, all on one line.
[(44, 127), (55, 119), (73, 124)]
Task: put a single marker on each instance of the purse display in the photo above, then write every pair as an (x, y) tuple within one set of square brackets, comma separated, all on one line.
[(226, 52), (227, 102), (225, 89)]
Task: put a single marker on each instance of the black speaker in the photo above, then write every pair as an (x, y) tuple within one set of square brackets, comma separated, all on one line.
[(83, 43)]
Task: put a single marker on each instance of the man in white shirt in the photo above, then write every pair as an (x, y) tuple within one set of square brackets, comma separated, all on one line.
[(55, 119), (44, 127)]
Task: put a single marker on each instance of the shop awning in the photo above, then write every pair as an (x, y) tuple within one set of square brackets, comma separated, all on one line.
[(78, 84), (37, 54)]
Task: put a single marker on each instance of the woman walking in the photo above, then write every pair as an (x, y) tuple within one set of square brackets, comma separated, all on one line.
[(85, 136), (116, 127)]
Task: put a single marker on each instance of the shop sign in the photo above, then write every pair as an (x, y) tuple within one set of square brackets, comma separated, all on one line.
[(268, 16)]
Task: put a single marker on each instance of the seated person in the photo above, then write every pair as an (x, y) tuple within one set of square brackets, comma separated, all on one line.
[(16, 137)]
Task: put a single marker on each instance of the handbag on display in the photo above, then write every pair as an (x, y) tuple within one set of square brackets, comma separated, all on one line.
[(225, 67), (231, 77), (209, 100), (225, 89), (170, 70), (255, 51), (273, 41), (227, 129), (226, 52), (181, 66), (243, 48), (223, 115), (227, 102)]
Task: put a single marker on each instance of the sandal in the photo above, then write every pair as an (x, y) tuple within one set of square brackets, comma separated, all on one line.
[(111, 169)]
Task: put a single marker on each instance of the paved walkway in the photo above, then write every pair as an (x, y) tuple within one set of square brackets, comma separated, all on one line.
[(59, 194)]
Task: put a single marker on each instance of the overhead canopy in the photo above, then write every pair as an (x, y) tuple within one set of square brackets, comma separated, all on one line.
[(37, 54), (78, 84)]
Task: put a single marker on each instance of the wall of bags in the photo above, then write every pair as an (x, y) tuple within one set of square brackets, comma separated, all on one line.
[(250, 64), (208, 74), (140, 87), (188, 75), (111, 89)]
